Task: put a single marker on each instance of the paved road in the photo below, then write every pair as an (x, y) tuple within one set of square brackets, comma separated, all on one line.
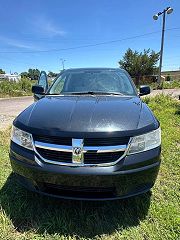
[(175, 93), (11, 107)]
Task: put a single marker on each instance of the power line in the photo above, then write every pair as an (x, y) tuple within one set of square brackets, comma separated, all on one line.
[(64, 38), (90, 45), (171, 65)]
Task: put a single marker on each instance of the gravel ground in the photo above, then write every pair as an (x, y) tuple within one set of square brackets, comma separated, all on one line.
[(11, 107)]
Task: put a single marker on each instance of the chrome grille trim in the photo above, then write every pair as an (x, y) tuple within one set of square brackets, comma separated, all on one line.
[(55, 147), (104, 149), (65, 148)]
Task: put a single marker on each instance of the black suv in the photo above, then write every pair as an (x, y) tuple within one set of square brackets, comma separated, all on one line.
[(87, 136)]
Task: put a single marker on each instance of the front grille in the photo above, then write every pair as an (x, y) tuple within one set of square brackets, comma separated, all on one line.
[(108, 141), (89, 157), (56, 156), (112, 141), (96, 150), (98, 158)]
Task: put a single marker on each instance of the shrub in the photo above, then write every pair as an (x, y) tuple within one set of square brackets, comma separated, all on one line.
[(172, 84), (167, 84), (14, 89), (168, 78)]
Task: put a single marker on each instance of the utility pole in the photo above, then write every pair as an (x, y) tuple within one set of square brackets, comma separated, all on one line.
[(62, 62), (162, 47), (168, 10)]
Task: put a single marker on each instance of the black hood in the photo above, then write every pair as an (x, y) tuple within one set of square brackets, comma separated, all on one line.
[(86, 115)]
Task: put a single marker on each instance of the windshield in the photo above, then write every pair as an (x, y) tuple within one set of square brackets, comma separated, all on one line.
[(93, 81)]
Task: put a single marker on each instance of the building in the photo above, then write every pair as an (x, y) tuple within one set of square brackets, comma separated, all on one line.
[(11, 77), (175, 75), (175, 72)]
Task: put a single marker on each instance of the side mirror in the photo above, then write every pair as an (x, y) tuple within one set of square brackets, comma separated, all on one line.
[(38, 89), (144, 90)]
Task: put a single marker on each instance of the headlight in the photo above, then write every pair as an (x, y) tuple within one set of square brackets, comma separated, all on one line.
[(145, 142), (22, 138)]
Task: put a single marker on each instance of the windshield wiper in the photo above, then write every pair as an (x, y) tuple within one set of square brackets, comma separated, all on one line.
[(96, 93)]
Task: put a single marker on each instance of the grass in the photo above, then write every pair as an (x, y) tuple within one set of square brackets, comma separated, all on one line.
[(154, 215)]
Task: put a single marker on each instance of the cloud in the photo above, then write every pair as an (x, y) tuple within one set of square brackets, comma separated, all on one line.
[(46, 27), (51, 29), (16, 43)]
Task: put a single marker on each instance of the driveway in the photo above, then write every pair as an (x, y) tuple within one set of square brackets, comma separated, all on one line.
[(11, 107)]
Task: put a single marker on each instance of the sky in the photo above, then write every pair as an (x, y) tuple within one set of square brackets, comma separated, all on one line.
[(39, 33)]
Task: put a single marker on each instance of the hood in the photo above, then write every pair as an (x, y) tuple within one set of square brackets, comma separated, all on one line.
[(85, 114)]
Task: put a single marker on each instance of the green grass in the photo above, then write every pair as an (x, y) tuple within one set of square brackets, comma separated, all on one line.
[(154, 215)]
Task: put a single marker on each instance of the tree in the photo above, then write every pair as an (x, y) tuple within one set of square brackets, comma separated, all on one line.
[(33, 74), (139, 64), (52, 74), (1, 71), (24, 75)]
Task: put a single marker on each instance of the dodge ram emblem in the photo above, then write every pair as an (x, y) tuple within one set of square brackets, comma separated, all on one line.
[(77, 151)]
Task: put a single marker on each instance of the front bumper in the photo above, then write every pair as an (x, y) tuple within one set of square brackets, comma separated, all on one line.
[(132, 175)]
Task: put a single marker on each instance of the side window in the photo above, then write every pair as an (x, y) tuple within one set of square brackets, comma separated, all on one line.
[(43, 80)]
